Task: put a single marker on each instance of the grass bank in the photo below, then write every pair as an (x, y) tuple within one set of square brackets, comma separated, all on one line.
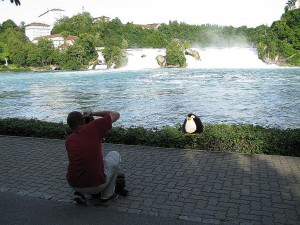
[(216, 137), (16, 68)]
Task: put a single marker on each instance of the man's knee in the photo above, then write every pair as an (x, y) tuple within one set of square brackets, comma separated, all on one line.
[(114, 155), (113, 159)]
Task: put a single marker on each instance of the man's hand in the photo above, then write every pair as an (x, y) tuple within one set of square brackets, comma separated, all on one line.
[(114, 115), (87, 113)]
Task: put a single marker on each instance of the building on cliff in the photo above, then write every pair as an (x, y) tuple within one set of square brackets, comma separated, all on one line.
[(36, 29), (43, 24), (51, 16), (58, 40)]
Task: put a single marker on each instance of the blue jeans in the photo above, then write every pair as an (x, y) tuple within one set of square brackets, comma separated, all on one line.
[(111, 169)]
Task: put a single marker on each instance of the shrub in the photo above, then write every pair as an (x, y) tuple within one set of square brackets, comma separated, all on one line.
[(216, 137), (33, 128), (175, 54)]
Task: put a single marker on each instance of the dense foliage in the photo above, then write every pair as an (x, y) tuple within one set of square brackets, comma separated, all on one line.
[(276, 44), (281, 42), (218, 137), (175, 54), (33, 128), (16, 49)]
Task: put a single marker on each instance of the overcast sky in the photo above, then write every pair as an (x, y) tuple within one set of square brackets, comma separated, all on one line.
[(237, 13)]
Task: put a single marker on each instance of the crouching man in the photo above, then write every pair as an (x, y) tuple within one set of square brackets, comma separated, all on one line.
[(88, 171)]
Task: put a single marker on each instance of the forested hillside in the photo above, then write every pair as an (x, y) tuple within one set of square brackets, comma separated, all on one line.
[(281, 42), (278, 44)]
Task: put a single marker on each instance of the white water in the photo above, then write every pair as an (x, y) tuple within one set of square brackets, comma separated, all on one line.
[(143, 58), (235, 57), (227, 58)]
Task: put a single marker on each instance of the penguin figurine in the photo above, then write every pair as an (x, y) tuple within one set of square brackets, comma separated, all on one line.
[(192, 124)]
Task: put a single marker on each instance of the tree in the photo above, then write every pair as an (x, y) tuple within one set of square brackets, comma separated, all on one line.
[(4, 53), (75, 56), (290, 5), (113, 33), (175, 54), (17, 51), (58, 57), (87, 41), (15, 40), (113, 56), (45, 50), (33, 58), (280, 44), (76, 25), (8, 24)]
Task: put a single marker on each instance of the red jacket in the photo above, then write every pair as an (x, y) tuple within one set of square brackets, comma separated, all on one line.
[(84, 147)]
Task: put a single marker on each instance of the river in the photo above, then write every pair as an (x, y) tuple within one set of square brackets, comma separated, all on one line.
[(269, 97)]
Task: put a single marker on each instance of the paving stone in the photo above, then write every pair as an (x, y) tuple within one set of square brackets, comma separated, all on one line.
[(220, 215), (211, 221), (176, 210), (213, 201), (232, 213), (208, 187), (244, 209), (190, 218)]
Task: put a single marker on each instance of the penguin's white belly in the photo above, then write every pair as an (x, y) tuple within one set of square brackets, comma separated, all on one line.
[(190, 126)]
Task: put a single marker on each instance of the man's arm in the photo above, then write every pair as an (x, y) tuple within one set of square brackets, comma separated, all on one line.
[(113, 115)]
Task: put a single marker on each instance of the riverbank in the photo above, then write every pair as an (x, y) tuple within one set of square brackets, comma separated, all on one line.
[(216, 137), (14, 68), (7, 69)]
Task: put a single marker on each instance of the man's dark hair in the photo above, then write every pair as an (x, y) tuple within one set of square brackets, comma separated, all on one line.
[(75, 119)]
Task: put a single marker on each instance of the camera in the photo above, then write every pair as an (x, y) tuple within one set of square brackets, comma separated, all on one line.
[(87, 119)]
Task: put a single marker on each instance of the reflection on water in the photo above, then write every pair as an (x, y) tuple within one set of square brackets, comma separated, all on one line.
[(158, 97)]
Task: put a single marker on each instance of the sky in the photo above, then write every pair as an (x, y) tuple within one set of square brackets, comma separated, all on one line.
[(250, 13)]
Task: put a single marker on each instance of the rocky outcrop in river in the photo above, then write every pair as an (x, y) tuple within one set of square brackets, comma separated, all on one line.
[(193, 53), (161, 61)]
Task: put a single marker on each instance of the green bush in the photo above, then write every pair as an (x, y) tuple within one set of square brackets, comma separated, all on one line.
[(216, 137), (33, 128), (165, 137), (175, 54), (114, 56)]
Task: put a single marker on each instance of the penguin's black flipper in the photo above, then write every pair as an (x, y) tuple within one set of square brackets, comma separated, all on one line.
[(183, 126), (199, 125)]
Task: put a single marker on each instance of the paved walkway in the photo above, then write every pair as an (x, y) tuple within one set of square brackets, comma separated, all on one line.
[(211, 188)]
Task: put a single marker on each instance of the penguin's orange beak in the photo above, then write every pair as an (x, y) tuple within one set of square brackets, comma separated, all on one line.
[(189, 118)]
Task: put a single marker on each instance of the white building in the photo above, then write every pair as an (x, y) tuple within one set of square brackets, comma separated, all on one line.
[(44, 24), (51, 16), (34, 30), (58, 40)]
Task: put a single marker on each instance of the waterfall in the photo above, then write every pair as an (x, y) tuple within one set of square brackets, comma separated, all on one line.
[(233, 57), (144, 58), (101, 61)]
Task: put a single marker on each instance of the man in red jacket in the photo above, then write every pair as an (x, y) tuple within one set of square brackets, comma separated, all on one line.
[(88, 171)]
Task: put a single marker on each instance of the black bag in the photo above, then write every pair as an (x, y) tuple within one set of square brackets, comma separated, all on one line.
[(120, 185)]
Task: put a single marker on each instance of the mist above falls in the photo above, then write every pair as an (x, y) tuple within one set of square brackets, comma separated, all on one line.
[(211, 57)]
